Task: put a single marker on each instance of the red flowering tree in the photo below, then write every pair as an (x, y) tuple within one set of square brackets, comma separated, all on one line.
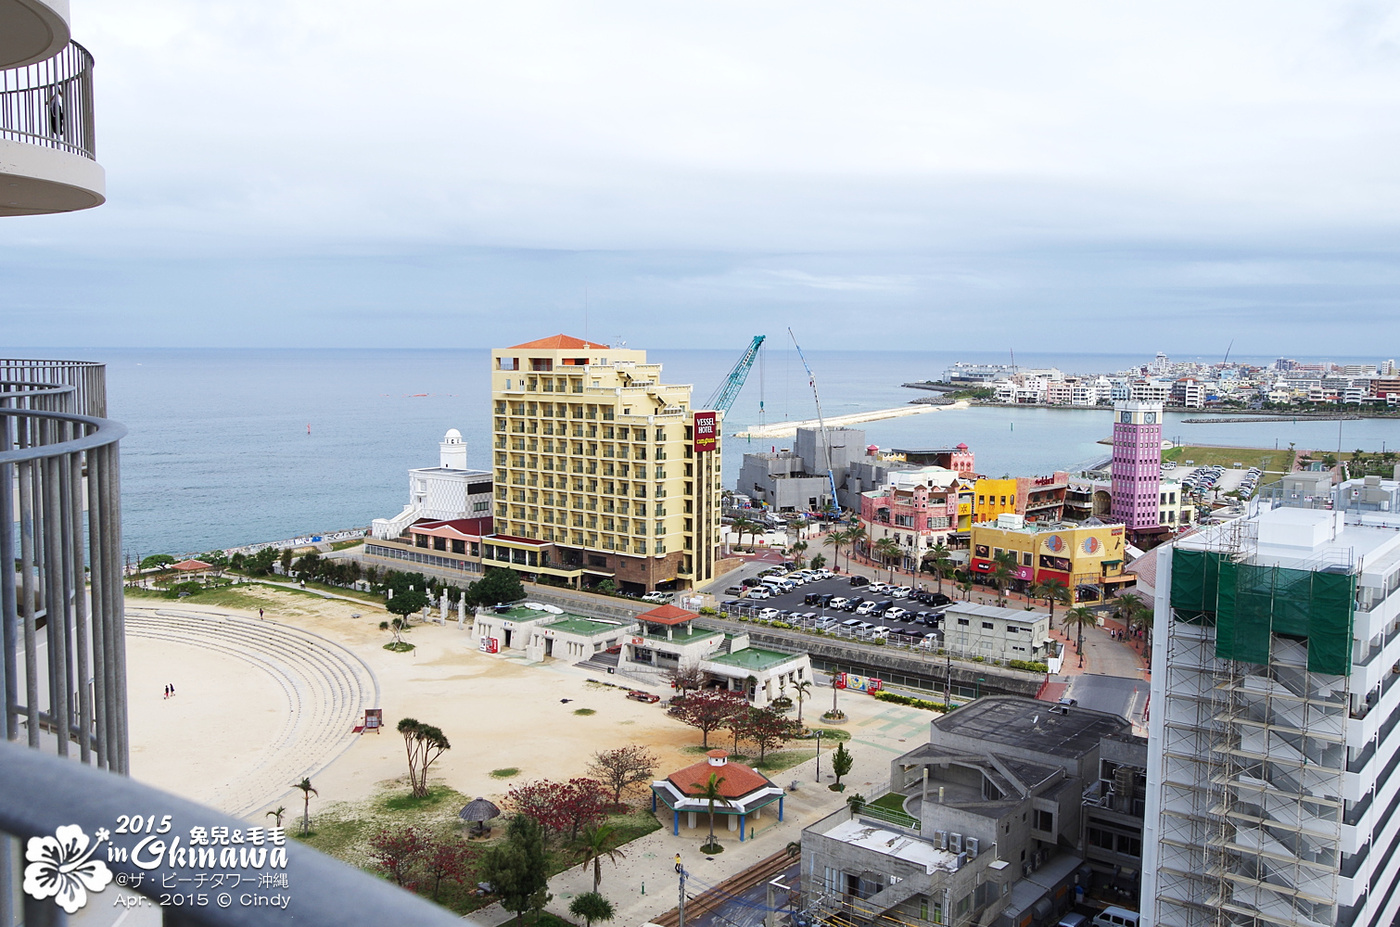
[(444, 859), (396, 851), (709, 711), (770, 728), (561, 807)]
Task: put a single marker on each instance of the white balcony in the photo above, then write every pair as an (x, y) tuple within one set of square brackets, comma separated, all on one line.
[(32, 30), (48, 149)]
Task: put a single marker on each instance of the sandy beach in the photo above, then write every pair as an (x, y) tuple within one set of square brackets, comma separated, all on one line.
[(788, 429)]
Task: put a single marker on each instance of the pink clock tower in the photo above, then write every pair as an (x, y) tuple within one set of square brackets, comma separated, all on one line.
[(1137, 464)]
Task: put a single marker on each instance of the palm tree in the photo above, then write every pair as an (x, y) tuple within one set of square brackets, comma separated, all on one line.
[(1052, 591), (595, 846), (803, 688), (1137, 615), (836, 538), (740, 525), (277, 815), (1003, 569), (818, 561), (798, 548), (1078, 618), (888, 549), (854, 535), (711, 794), (306, 792), (965, 585), (938, 560)]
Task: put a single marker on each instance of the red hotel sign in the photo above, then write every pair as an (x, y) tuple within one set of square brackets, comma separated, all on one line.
[(705, 437)]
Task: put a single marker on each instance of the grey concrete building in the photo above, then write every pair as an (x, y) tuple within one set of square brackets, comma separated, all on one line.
[(983, 825), (795, 480)]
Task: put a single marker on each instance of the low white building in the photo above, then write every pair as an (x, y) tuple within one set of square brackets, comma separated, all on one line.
[(996, 633), (446, 492)]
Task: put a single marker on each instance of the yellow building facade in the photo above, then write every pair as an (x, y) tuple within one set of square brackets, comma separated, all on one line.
[(601, 470), (1087, 559)]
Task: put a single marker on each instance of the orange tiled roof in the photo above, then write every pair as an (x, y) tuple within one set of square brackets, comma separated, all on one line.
[(563, 342), (191, 566), (739, 780), (667, 614)]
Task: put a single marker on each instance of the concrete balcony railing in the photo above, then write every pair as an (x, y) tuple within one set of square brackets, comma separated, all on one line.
[(48, 143), (39, 795)]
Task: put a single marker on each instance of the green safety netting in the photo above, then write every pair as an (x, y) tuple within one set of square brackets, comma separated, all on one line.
[(1248, 603)]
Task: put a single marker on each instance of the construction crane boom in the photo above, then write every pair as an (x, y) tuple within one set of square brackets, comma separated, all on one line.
[(821, 421), (728, 391)]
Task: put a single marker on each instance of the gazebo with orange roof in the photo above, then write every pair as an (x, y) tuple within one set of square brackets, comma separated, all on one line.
[(748, 791)]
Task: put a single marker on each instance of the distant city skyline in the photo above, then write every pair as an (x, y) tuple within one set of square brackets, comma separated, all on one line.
[(318, 174)]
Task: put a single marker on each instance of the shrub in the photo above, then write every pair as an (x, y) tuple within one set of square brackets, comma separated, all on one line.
[(910, 701), (1030, 665), (708, 610)]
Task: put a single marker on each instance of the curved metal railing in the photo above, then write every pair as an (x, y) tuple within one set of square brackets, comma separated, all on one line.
[(39, 794), (49, 103), (60, 488), (87, 378)]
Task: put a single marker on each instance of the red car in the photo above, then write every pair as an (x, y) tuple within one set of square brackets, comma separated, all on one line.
[(640, 696)]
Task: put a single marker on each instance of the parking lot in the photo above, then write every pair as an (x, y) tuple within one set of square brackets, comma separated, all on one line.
[(867, 615)]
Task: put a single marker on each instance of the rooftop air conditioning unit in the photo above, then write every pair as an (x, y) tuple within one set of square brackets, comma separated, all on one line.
[(962, 860), (940, 839), (971, 847), (955, 843)]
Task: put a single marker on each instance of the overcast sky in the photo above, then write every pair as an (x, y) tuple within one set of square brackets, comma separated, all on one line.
[(1054, 176)]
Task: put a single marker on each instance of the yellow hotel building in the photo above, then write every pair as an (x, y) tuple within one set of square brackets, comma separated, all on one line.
[(1088, 559), (597, 470)]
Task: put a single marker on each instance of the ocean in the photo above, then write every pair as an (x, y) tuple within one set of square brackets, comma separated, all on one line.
[(239, 446)]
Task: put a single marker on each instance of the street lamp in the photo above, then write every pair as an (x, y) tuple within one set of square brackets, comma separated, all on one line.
[(980, 680), (819, 755)]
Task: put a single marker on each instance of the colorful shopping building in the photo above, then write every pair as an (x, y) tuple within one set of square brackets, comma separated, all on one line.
[(1088, 559), (917, 508)]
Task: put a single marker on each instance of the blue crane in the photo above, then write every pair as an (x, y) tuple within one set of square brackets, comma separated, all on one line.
[(826, 438), (728, 391)]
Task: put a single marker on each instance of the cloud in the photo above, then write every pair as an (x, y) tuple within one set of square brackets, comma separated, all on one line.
[(363, 173)]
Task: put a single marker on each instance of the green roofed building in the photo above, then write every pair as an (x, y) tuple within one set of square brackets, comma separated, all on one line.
[(1275, 689)]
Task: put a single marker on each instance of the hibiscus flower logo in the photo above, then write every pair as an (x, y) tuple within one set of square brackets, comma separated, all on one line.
[(61, 867)]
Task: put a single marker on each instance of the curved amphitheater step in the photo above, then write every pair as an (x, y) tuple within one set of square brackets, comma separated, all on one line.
[(326, 689)]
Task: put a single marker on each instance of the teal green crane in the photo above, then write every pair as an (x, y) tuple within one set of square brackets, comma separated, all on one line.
[(728, 391)]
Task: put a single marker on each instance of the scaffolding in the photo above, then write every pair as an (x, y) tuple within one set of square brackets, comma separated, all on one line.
[(1254, 737)]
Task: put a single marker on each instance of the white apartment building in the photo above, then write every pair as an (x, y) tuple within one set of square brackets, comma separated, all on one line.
[(1275, 695)]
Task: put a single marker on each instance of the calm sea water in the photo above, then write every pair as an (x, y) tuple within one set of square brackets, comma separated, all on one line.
[(232, 447)]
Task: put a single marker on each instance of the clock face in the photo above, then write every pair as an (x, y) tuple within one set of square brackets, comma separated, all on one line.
[(1127, 418), (1150, 418)]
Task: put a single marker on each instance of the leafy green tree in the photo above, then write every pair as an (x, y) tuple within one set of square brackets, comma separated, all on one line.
[(517, 868), (711, 792), (306, 792), (286, 561), (841, 761), (156, 561), (497, 587), (397, 627), (1003, 571), (854, 535), (591, 906), (938, 561), (798, 549), (597, 843), (260, 563), (818, 561), (406, 602)]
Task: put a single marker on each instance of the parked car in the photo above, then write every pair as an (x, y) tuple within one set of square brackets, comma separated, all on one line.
[(901, 592), (852, 623), (637, 695), (837, 602), (896, 614), (657, 598), (767, 614), (760, 592), (880, 633), (881, 607), (865, 608), (859, 581), (734, 590), (853, 604), (939, 598)]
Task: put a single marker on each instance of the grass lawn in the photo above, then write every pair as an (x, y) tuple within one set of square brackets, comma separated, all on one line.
[(890, 801), (1274, 463), (295, 586), (344, 830), (242, 596)]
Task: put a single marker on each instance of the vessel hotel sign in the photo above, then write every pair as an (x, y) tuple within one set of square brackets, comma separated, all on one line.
[(704, 432)]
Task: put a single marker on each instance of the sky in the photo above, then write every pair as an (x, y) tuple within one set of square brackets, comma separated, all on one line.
[(928, 175)]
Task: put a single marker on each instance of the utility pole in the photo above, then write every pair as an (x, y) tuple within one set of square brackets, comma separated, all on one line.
[(948, 678), (680, 905)]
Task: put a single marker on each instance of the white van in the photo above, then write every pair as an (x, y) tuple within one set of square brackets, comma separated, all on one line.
[(1113, 916)]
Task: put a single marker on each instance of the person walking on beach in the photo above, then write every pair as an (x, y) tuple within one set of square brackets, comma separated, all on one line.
[(167, 692), (260, 615), (171, 687)]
